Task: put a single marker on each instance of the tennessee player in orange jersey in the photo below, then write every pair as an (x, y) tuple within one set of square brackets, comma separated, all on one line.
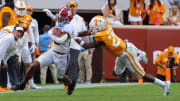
[(20, 15), (105, 37)]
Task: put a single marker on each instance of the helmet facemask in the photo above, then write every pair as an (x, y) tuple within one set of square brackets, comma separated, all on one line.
[(20, 11)]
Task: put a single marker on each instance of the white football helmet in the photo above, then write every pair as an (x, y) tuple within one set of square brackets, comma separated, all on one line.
[(20, 8), (98, 23)]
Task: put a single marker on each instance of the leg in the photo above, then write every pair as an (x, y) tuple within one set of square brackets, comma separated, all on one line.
[(88, 67), (27, 59), (134, 66), (13, 66), (133, 23), (81, 74), (43, 74), (42, 61), (122, 77), (54, 72), (139, 23), (72, 69)]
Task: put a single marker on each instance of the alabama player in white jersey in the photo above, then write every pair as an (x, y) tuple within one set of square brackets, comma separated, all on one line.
[(59, 53)]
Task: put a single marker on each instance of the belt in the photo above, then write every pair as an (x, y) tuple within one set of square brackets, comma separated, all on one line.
[(59, 52)]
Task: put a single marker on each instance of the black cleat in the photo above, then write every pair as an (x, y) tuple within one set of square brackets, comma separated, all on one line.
[(71, 88), (20, 86)]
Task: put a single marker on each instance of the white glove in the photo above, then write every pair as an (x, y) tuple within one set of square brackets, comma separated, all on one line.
[(32, 49), (50, 14)]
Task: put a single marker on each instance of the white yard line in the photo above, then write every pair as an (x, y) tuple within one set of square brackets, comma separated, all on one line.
[(93, 85)]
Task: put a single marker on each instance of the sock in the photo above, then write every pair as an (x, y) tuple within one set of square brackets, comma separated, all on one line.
[(8, 81), (31, 82), (159, 82)]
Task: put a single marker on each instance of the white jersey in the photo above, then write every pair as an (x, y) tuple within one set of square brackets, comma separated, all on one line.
[(22, 44), (8, 45), (78, 24), (24, 39), (35, 31), (63, 47)]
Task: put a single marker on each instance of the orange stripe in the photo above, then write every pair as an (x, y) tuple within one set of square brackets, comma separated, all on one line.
[(133, 66), (7, 30), (21, 3), (135, 62)]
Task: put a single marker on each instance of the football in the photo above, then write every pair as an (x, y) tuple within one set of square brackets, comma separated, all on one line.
[(57, 32)]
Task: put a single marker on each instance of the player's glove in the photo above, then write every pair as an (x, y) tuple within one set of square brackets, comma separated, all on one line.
[(50, 14)]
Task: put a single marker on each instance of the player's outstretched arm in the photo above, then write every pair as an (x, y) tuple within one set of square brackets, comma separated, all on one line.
[(84, 33), (86, 45)]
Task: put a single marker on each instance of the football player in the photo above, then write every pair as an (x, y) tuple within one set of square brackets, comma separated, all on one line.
[(25, 53), (59, 52), (105, 37)]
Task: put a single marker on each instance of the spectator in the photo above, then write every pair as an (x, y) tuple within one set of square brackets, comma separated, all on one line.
[(174, 17), (155, 10), (175, 2), (167, 59), (85, 64), (44, 41), (135, 11), (111, 12)]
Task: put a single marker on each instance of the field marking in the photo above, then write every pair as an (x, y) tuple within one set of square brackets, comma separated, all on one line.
[(61, 86)]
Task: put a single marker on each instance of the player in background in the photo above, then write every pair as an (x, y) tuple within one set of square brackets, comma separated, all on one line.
[(25, 53), (104, 36), (34, 26)]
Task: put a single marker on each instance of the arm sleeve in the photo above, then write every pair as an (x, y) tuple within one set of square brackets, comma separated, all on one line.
[(4, 44), (36, 32), (158, 58), (176, 59), (31, 35)]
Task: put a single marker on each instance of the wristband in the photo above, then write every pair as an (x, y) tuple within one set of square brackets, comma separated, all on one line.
[(82, 43)]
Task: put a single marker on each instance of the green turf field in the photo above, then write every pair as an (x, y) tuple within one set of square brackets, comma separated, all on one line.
[(146, 92)]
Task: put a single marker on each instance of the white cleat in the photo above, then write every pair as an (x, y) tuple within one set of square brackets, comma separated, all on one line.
[(166, 89), (33, 86)]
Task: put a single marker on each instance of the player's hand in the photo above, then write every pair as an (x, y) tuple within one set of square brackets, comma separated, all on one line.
[(16, 58), (33, 47), (77, 40), (49, 13)]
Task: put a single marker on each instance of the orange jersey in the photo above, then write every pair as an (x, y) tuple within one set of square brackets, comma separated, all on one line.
[(163, 59), (11, 21), (112, 42), (136, 10), (154, 14), (26, 18)]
